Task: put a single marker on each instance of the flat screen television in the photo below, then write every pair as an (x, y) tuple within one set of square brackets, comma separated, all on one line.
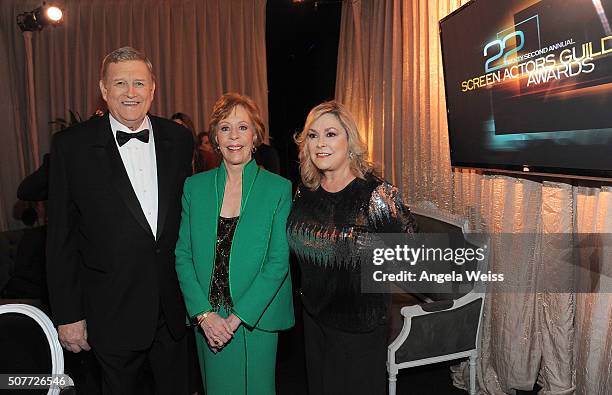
[(529, 86)]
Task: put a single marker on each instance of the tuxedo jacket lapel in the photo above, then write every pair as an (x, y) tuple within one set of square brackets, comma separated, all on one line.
[(106, 146), (166, 168)]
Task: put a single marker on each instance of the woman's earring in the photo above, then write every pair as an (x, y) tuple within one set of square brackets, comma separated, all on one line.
[(351, 155), (254, 149)]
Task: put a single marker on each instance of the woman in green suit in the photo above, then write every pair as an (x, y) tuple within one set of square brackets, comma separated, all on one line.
[(232, 257)]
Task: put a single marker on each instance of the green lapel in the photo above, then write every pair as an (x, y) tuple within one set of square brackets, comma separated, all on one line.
[(249, 174)]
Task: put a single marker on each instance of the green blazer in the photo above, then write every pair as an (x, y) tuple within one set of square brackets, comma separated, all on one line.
[(260, 283)]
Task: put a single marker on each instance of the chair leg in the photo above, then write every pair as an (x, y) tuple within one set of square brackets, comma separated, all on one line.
[(473, 375), (392, 383)]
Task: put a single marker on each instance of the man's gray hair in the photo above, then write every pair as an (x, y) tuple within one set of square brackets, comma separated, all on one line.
[(124, 54)]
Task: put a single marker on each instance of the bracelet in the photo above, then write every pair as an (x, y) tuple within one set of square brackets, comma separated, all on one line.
[(203, 317)]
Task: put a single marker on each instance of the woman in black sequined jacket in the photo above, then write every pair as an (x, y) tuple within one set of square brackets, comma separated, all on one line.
[(337, 209)]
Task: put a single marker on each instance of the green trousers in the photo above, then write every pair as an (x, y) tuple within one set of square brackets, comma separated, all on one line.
[(245, 366)]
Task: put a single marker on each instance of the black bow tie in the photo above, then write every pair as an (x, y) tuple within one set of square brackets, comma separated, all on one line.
[(123, 137)]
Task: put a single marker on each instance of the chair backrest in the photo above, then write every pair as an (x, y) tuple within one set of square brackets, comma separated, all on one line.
[(451, 331), (29, 342), (431, 220)]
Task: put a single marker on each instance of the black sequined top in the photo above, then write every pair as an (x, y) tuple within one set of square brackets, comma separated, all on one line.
[(326, 232), (219, 294)]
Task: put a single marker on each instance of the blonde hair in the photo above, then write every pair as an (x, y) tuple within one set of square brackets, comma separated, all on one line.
[(222, 109), (357, 149)]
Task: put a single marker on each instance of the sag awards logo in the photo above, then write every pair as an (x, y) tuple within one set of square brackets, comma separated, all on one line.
[(518, 54)]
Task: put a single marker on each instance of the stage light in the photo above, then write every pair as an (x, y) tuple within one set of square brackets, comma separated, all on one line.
[(54, 14), (37, 19)]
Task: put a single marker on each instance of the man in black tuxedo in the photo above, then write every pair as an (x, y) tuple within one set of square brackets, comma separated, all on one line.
[(114, 211)]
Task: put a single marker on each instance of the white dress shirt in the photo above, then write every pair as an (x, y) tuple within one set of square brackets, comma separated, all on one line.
[(140, 163)]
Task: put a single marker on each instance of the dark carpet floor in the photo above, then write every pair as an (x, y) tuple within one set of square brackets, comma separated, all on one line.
[(291, 369)]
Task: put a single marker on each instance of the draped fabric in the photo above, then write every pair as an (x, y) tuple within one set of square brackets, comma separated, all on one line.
[(593, 348), (390, 76), (199, 50)]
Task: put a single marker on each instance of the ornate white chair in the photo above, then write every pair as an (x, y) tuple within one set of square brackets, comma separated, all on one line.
[(32, 332), (448, 327)]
